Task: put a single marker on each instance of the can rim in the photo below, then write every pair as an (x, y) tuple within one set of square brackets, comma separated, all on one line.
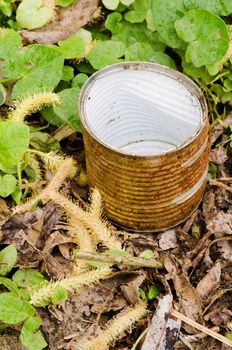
[(141, 65)]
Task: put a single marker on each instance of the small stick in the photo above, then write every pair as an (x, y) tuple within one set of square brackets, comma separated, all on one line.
[(120, 260), (221, 185), (201, 328)]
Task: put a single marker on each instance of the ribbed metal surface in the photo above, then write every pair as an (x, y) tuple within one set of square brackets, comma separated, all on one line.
[(146, 140)]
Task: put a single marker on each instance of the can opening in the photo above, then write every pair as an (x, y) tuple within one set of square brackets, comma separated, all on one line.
[(141, 112)]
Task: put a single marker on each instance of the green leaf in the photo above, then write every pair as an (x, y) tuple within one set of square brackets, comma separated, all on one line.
[(139, 12), (17, 195), (58, 295), (106, 53), (7, 185), (153, 292), (79, 80), (10, 41), (43, 141), (138, 32), (8, 257), (24, 294), (14, 142), (206, 34), (147, 254), (165, 14), (49, 115), (227, 83), (28, 278), (127, 2), (145, 52), (226, 97), (33, 14), (142, 294), (113, 22), (67, 73), (110, 4), (64, 3), (30, 336), (2, 95), (11, 286), (75, 46), (218, 7), (150, 20), (195, 72), (6, 7), (14, 310), (85, 67), (38, 67), (67, 108)]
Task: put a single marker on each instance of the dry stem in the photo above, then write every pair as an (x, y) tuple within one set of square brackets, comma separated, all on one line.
[(120, 260), (201, 328)]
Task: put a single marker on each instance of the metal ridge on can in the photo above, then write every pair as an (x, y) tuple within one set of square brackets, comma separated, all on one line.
[(146, 137)]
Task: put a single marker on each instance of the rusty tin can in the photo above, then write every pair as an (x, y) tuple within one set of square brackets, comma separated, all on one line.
[(146, 137)]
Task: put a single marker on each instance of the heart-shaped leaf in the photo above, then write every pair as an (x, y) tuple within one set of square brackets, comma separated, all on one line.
[(106, 53), (33, 14), (8, 257), (14, 310), (14, 142), (165, 14), (206, 34), (30, 336), (7, 185), (218, 7)]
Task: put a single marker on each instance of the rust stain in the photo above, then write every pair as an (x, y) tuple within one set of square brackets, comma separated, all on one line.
[(138, 191)]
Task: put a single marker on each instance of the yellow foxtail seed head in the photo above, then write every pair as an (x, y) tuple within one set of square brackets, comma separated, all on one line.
[(95, 208), (32, 104), (73, 284), (114, 329)]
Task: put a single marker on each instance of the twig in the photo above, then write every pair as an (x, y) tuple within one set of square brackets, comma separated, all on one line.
[(221, 185), (201, 328), (62, 132), (120, 260), (139, 339), (225, 179)]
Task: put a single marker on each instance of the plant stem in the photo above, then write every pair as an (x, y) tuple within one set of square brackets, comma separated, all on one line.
[(19, 173), (139, 338), (120, 260)]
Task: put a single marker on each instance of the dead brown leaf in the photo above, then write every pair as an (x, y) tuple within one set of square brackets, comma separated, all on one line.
[(218, 129), (210, 282), (4, 212), (218, 155), (23, 231), (168, 240), (55, 239), (218, 317), (189, 299), (57, 266), (221, 223), (52, 216), (67, 21), (209, 206), (164, 329), (131, 289)]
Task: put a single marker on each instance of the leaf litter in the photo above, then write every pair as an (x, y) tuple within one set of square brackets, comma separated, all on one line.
[(196, 279), (186, 304)]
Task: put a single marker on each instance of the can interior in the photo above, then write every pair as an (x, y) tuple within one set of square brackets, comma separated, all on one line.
[(141, 112)]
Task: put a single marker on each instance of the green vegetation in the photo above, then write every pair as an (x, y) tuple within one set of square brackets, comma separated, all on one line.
[(39, 88)]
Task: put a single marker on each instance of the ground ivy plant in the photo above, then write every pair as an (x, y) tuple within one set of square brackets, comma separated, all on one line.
[(15, 306), (190, 35)]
